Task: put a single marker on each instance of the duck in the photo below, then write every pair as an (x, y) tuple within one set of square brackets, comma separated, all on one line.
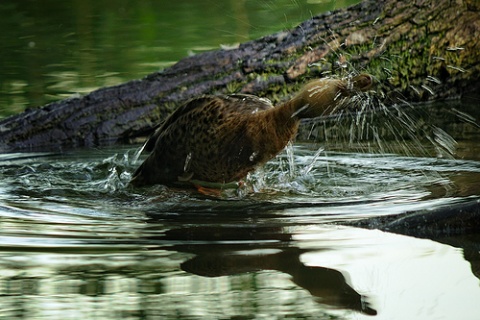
[(216, 140)]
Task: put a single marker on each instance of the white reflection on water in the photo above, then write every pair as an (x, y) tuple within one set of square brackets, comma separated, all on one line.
[(402, 278), (407, 278)]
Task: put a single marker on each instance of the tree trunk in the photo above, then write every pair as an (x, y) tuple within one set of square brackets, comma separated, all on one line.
[(451, 220), (417, 50)]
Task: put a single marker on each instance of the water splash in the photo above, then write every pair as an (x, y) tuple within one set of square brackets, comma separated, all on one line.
[(325, 175), (253, 156), (119, 173), (138, 153), (186, 165), (292, 170), (460, 69), (455, 49), (114, 180), (465, 117), (305, 107), (444, 143), (306, 170), (428, 89), (380, 117), (434, 80)]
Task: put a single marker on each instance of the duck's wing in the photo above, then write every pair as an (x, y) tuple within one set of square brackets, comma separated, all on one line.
[(189, 106), (234, 103)]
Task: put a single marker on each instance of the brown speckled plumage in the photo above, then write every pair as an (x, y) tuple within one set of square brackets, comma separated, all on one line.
[(222, 138)]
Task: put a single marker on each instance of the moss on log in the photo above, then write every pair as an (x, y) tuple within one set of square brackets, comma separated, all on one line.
[(417, 50)]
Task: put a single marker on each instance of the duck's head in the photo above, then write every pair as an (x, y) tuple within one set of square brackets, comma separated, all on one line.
[(324, 96)]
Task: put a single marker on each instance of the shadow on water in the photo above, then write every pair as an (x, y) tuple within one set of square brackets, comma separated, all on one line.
[(227, 251)]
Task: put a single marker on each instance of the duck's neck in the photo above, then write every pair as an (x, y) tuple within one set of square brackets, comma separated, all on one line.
[(273, 129), (291, 109), (280, 124), (316, 98)]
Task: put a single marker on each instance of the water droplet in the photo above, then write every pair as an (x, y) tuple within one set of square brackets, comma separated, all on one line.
[(291, 159), (300, 110), (415, 89), (456, 68), (466, 117), (113, 181), (428, 89), (188, 158), (310, 166), (433, 79), (137, 154), (455, 48), (445, 141), (387, 71)]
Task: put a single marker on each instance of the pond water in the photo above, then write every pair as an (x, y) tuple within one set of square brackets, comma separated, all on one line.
[(77, 242), (54, 49)]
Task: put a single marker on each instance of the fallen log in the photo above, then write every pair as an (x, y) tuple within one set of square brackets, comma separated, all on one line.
[(417, 50), (459, 218)]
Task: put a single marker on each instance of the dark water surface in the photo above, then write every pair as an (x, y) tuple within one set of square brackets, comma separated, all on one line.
[(77, 243)]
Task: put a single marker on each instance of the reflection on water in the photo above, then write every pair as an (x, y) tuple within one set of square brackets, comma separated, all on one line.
[(76, 242), (55, 49)]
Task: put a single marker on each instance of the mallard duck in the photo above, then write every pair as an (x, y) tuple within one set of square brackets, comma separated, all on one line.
[(220, 139)]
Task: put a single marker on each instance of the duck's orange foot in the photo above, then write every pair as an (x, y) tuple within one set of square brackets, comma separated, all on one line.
[(211, 192), (215, 189)]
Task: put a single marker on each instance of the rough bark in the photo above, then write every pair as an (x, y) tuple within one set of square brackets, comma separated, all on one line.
[(417, 50), (448, 221)]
